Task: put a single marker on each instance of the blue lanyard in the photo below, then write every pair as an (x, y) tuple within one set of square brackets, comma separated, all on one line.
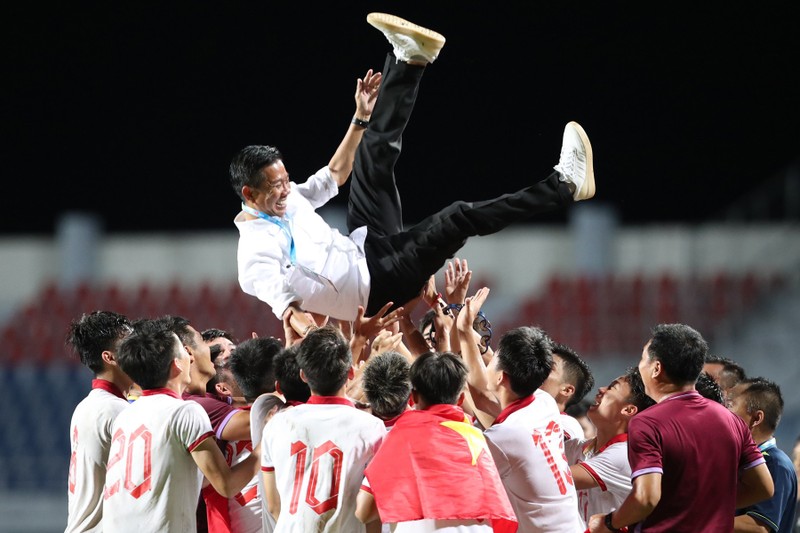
[(278, 222), (769, 443)]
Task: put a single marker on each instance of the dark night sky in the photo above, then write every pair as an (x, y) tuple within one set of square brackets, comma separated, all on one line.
[(133, 111)]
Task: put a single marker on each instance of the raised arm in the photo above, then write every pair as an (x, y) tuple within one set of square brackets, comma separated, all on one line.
[(341, 164), (476, 378)]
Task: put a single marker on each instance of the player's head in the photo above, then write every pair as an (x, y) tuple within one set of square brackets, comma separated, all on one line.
[(147, 357), (287, 376), (679, 350), (387, 384), (636, 395), (325, 360), (203, 368), (437, 378), (524, 355), (252, 365), (575, 371), (223, 340), (95, 333), (428, 328)]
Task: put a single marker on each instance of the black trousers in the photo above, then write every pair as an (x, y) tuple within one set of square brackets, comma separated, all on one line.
[(400, 261)]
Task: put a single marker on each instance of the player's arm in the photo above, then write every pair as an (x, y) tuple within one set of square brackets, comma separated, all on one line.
[(341, 164), (237, 428), (582, 478), (644, 496), (366, 510), (755, 485), (226, 480), (747, 524), (271, 493)]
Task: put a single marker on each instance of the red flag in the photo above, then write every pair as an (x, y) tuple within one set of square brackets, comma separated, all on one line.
[(434, 464)]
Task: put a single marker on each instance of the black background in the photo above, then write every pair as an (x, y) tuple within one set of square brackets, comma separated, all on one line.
[(133, 110)]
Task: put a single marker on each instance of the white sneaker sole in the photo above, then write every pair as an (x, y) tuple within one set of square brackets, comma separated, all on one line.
[(588, 187), (428, 39)]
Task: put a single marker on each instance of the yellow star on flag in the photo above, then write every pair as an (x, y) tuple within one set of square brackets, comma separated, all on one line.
[(471, 434)]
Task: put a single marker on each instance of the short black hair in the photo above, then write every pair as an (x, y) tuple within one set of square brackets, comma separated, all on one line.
[(681, 350), (764, 395), (524, 354), (146, 357), (576, 371), (245, 168), (180, 326), (387, 384), (252, 366), (287, 375), (708, 388), (438, 377), (97, 332), (637, 396), (216, 333), (325, 358)]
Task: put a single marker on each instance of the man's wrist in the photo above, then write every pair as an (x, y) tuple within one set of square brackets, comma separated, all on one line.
[(608, 520)]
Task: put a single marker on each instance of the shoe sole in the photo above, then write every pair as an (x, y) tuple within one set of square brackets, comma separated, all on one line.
[(588, 188), (428, 38)]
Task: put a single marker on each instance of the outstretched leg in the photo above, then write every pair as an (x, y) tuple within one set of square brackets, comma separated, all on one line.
[(374, 200), (400, 264)]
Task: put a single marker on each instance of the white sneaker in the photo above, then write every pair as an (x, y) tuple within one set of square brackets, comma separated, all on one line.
[(575, 163), (410, 42)]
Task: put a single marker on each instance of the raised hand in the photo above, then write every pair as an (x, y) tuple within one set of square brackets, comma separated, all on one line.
[(456, 280), (368, 327), (470, 310), (367, 93)]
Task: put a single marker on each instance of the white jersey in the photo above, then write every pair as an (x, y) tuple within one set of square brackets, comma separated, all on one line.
[(245, 508), (318, 452), (610, 469), (90, 437), (527, 444), (153, 483), (571, 427), (259, 416)]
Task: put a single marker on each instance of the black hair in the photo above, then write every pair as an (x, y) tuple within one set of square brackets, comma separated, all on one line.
[(438, 377), (146, 357), (252, 366), (576, 372), (708, 388), (681, 350), (637, 396), (325, 358), (524, 354), (95, 333), (387, 384), (245, 168), (764, 395), (287, 374)]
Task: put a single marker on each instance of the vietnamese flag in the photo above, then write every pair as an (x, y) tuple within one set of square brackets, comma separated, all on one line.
[(434, 464)]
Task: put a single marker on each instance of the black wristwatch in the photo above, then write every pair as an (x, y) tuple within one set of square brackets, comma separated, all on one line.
[(607, 522)]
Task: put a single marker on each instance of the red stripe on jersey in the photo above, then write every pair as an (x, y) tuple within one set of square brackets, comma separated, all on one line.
[(592, 473), (267, 468), (248, 496), (336, 400), (168, 392), (108, 387), (197, 443)]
